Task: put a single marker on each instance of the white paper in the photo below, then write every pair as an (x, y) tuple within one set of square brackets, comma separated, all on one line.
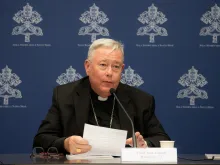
[(87, 157), (104, 141), (213, 156)]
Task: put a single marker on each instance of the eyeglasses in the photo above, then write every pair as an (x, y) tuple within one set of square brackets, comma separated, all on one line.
[(103, 65), (52, 152), (114, 67)]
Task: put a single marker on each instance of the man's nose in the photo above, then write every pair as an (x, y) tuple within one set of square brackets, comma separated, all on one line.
[(109, 71)]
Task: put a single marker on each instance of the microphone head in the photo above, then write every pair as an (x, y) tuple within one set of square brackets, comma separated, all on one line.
[(112, 90)]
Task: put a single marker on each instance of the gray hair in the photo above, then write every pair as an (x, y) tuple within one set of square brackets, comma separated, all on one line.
[(105, 42)]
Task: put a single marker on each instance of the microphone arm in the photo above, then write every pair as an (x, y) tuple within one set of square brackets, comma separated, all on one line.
[(134, 140)]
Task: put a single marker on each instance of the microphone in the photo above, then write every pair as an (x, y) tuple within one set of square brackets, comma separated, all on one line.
[(112, 91)]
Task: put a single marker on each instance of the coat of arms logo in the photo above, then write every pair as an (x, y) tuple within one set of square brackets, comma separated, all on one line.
[(152, 18), (94, 18), (8, 80), (131, 78), (211, 18), (192, 81), (69, 76), (27, 18)]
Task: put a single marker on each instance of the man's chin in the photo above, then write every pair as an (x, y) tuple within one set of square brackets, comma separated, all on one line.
[(106, 91)]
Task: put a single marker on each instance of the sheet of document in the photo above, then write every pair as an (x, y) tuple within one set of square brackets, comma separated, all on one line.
[(87, 157), (104, 141), (213, 156)]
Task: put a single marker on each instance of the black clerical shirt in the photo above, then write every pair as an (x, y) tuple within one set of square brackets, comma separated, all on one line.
[(103, 112)]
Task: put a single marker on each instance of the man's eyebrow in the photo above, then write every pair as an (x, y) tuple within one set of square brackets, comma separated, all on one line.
[(118, 62), (104, 60), (114, 61)]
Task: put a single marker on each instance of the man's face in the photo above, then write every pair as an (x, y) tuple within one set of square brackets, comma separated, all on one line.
[(104, 70)]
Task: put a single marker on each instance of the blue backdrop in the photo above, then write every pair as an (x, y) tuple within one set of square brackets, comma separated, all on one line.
[(171, 51)]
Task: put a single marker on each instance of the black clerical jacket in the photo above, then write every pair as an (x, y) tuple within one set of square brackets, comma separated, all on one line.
[(70, 111)]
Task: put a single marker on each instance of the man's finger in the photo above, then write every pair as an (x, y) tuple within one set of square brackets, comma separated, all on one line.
[(75, 149), (80, 140), (140, 137), (129, 141), (137, 134), (83, 146)]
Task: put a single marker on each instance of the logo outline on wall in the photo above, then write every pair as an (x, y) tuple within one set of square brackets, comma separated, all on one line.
[(94, 17), (192, 81), (27, 17), (130, 78), (69, 76), (152, 17), (211, 18), (7, 81)]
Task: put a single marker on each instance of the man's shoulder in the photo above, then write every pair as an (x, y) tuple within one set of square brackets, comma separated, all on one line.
[(134, 92), (69, 87), (139, 97)]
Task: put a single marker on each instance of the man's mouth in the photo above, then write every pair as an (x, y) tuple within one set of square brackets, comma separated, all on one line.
[(108, 82)]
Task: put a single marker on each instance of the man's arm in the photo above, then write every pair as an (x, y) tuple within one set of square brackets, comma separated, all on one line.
[(50, 131)]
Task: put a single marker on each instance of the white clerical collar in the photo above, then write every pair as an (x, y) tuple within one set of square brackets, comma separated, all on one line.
[(102, 98)]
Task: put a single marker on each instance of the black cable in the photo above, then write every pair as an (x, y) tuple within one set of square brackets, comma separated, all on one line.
[(196, 159), (1, 162)]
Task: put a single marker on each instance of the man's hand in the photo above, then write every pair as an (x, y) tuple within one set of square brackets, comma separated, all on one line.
[(76, 145), (141, 143)]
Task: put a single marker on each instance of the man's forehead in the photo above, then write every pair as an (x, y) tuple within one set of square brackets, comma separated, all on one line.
[(106, 50), (108, 57), (108, 54)]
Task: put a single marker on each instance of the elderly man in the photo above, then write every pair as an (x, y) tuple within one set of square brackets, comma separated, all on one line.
[(89, 101)]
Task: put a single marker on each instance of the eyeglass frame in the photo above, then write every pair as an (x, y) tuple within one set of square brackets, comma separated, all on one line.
[(47, 154), (114, 67)]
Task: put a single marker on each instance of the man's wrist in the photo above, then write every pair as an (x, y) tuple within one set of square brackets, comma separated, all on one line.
[(66, 145)]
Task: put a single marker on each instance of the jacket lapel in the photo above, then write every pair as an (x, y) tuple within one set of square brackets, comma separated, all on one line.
[(82, 104), (126, 102)]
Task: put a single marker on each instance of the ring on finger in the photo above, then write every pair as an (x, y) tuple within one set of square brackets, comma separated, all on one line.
[(78, 150)]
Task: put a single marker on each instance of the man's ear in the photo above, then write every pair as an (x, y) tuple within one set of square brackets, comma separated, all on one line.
[(87, 66), (122, 67)]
